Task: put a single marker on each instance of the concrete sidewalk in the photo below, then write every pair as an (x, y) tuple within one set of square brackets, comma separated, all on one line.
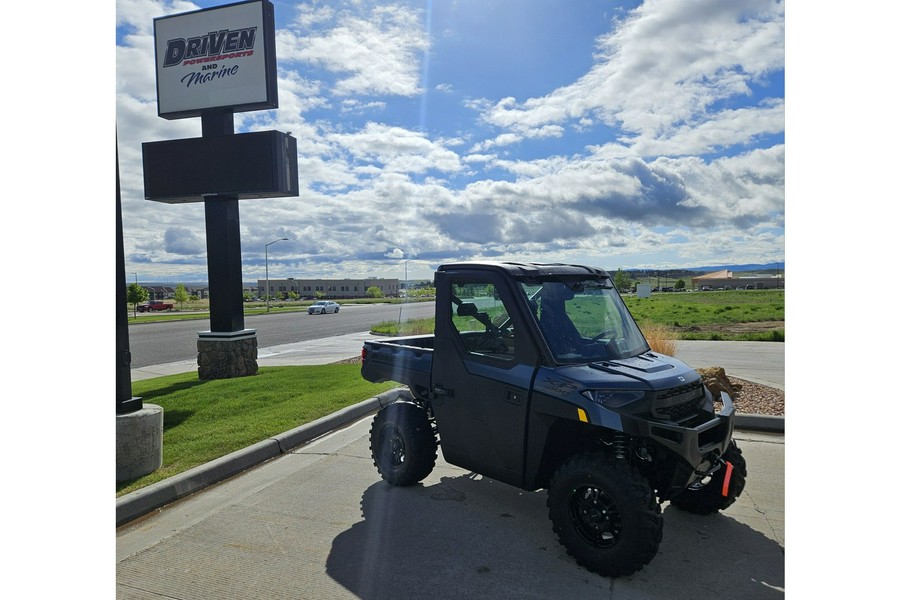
[(318, 523), (759, 362), (312, 352)]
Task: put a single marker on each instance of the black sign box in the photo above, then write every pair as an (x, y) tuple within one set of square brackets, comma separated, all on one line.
[(246, 165)]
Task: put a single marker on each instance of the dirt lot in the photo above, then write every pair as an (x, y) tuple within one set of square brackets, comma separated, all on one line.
[(735, 328)]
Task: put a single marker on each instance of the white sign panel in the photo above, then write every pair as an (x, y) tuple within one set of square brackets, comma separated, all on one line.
[(643, 290), (216, 58)]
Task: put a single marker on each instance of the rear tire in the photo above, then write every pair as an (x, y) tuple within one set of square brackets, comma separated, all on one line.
[(403, 443), (706, 498), (605, 514)]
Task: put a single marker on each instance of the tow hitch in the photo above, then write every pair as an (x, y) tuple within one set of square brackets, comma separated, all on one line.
[(705, 475)]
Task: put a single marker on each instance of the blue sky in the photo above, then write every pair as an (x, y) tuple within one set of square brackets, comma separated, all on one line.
[(619, 134)]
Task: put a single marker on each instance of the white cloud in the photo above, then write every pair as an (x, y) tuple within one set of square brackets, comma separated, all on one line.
[(397, 149), (504, 139), (180, 240), (663, 67), (725, 129), (373, 53)]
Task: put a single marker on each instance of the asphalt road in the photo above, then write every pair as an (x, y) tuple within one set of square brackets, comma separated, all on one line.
[(159, 343)]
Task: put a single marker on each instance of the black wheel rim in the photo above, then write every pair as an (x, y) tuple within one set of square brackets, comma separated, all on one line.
[(393, 449), (595, 517)]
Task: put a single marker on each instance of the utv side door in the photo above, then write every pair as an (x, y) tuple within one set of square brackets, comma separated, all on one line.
[(484, 363)]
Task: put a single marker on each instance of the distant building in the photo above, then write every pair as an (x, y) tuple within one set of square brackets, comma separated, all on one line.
[(160, 292), (331, 288), (726, 279)]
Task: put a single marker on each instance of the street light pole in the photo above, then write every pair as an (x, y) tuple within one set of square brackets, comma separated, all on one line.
[(267, 269)]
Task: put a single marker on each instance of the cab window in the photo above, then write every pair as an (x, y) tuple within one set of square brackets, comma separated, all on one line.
[(481, 319)]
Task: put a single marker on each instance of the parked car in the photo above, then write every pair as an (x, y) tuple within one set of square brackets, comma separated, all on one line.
[(323, 307)]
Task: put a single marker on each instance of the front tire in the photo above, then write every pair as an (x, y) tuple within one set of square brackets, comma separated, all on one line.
[(705, 498), (403, 443), (605, 514)]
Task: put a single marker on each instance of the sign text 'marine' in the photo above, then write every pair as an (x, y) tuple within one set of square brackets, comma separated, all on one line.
[(210, 47)]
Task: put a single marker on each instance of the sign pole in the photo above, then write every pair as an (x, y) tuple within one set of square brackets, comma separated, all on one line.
[(125, 402), (223, 241)]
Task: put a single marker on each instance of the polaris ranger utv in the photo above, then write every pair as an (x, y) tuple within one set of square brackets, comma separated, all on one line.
[(537, 376)]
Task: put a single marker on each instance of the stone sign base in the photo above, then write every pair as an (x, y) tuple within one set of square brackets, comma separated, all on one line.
[(223, 355)]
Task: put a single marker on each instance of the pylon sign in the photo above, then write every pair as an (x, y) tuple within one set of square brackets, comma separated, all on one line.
[(212, 63), (216, 57)]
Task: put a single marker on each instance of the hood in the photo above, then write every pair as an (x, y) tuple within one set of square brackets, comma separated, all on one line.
[(650, 371)]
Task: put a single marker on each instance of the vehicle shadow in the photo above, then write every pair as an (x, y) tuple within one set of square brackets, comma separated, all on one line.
[(468, 537)]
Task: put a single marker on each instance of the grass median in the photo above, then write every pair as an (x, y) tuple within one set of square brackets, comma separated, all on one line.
[(205, 420)]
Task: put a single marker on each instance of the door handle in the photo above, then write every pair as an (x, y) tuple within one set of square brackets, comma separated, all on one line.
[(441, 391), (514, 397)]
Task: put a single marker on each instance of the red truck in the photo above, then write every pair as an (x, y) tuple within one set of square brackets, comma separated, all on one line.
[(155, 305)]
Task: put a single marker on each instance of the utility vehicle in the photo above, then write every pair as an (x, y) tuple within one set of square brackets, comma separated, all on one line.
[(538, 377)]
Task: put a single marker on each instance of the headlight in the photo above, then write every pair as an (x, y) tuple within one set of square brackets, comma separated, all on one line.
[(613, 398)]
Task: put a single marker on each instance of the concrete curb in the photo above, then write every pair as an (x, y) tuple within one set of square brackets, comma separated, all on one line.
[(767, 423), (143, 501)]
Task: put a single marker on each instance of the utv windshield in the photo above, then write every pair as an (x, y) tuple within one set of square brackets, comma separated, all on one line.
[(583, 320)]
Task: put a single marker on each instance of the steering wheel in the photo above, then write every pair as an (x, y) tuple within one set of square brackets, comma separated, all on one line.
[(603, 334)]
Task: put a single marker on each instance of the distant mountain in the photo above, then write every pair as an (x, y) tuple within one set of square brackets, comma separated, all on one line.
[(769, 268), (766, 267)]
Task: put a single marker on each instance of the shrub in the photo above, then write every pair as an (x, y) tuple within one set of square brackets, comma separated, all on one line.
[(661, 338)]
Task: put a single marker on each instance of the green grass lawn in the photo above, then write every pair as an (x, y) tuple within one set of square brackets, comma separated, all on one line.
[(205, 420), (720, 315)]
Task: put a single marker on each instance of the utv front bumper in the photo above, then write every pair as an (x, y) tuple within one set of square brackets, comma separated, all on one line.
[(697, 446)]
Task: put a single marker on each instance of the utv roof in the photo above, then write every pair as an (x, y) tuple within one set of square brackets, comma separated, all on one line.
[(526, 269)]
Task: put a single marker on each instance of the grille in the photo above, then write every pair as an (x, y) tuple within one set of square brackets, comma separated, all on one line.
[(679, 403)]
